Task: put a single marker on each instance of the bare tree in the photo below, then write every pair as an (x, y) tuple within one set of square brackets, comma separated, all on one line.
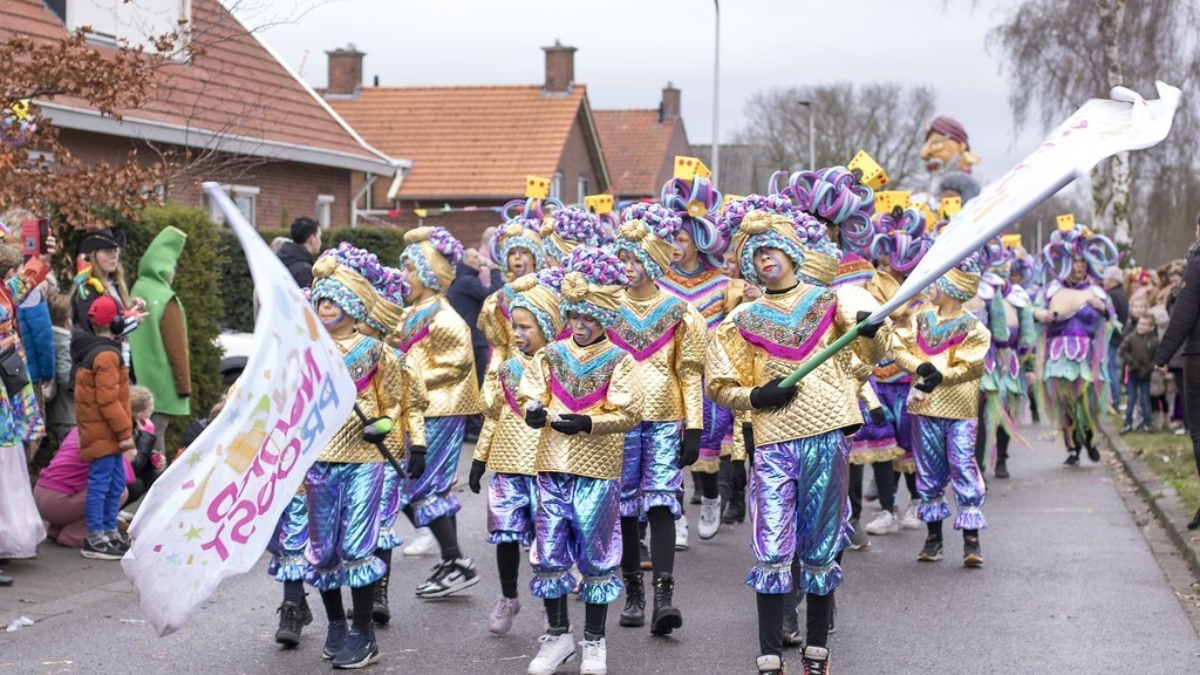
[(1059, 53), (885, 119)]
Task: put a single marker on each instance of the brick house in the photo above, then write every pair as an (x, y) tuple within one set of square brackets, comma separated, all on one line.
[(745, 169), (243, 117), (472, 146), (641, 146)]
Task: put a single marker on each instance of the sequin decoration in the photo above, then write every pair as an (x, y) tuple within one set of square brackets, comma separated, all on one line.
[(643, 336), (581, 381), (776, 328), (935, 339)]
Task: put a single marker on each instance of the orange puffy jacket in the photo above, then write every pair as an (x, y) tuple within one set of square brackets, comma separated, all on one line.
[(101, 395)]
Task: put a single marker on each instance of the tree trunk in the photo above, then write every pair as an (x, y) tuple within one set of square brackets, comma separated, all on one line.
[(1112, 18)]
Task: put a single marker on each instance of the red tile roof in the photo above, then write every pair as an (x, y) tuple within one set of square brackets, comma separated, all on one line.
[(635, 144), (237, 89), (470, 141)]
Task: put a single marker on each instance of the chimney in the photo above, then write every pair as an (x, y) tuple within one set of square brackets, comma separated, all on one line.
[(345, 71), (669, 108), (560, 68)]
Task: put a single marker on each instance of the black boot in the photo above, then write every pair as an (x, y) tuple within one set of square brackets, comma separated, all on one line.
[(380, 611), (293, 617), (735, 512), (634, 614), (1195, 524), (666, 617)]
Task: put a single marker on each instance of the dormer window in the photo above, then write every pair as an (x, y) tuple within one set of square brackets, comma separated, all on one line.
[(114, 21)]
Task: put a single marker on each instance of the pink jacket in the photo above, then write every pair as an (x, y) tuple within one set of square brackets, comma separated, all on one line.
[(67, 473)]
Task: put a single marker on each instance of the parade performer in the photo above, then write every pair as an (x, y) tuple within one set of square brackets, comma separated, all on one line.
[(344, 487), (438, 344), (697, 277), (899, 244), (565, 229), (666, 337), (582, 393), (1007, 312), (798, 487), (1075, 310), (383, 323), (507, 446), (945, 347), (518, 247)]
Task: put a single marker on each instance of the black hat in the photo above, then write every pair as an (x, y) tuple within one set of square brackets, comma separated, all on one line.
[(97, 240)]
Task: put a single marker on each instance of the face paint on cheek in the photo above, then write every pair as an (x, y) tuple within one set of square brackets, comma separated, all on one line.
[(769, 265)]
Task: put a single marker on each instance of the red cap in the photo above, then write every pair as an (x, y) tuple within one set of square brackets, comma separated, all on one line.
[(103, 311)]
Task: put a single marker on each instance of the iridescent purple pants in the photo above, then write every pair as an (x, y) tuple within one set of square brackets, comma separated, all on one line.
[(945, 450), (799, 505), (389, 507), (512, 500), (429, 495), (718, 424), (577, 523), (649, 474), (343, 524), (289, 541)]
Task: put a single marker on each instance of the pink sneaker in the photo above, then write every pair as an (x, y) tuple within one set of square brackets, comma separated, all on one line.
[(501, 617)]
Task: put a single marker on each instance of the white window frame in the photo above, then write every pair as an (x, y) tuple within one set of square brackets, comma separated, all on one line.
[(325, 211), (556, 186), (235, 193), (41, 158), (582, 185), (132, 21)]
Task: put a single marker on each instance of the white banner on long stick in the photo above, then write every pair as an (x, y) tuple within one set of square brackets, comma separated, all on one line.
[(1099, 129), (210, 515)]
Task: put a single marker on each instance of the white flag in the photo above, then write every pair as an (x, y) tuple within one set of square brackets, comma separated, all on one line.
[(1099, 129), (210, 515)]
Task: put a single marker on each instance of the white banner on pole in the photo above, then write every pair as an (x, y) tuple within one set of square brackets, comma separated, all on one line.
[(1099, 129), (210, 515)]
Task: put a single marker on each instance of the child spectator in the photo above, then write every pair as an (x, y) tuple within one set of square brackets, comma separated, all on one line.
[(60, 408), (105, 424), (146, 461), (62, 490), (1137, 351)]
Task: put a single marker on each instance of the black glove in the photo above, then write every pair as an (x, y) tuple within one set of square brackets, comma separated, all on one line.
[(416, 461), (690, 451), (536, 418), (930, 378), (477, 470), (572, 424), (877, 415), (748, 441), (771, 395), (867, 330), (372, 434)]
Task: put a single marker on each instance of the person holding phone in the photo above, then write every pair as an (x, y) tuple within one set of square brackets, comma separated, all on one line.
[(101, 273)]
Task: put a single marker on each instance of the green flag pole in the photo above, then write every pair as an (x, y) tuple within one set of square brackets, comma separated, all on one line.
[(822, 356)]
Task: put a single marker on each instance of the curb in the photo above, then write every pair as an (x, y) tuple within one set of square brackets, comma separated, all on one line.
[(1162, 498)]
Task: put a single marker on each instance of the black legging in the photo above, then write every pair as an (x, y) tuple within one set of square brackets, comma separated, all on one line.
[(1191, 402), (885, 482)]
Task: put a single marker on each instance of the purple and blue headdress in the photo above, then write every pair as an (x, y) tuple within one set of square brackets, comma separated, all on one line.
[(521, 229), (697, 203), (566, 228), (591, 284), (392, 287), (756, 222), (342, 275), (540, 294), (835, 197), (1097, 250), (902, 238), (648, 233), (961, 282), (434, 253), (821, 255)]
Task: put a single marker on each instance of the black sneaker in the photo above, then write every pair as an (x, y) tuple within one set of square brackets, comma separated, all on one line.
[(1195, 524), (1093, 453), (360, 651), (102, 549), (450, 576), (932, 551), (1001, 469), (1125, 429), (1072, 458), (972, 552), (293, 617), (335, 639)]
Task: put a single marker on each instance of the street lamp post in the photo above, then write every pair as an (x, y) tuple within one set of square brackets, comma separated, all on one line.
[(812, 151), (716, 130)]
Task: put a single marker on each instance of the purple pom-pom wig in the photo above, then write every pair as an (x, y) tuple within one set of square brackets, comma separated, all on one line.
[(697, 203)]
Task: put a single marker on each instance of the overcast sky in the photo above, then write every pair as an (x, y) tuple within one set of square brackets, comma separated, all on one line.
[(630, 49)]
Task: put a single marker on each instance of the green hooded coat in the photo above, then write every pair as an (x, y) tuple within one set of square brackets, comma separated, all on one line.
[(159, 346)]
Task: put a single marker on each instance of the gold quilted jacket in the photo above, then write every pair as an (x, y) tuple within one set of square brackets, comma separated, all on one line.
[(666, 337), (394, 391), (773, 336), (956, 346), (506, 443), (597, 380), (438, 344), (497, 327)]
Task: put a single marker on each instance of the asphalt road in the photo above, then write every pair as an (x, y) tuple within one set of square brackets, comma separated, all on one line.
[(1070, 585)]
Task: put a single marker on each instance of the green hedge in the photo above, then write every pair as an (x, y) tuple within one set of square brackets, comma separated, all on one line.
[(237, 286)]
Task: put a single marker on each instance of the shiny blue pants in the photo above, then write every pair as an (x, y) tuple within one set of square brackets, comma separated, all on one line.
[(945, 454), (343, 524), (577, 523), (429, 496), (290, 540), (650, 475)]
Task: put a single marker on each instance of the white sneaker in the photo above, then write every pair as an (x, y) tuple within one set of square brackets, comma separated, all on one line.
[(909, 520), (500, 619), (710, 517), (555, 651), (885, 523), (769, 663), (595, 657), (423, 544), (681, 533)]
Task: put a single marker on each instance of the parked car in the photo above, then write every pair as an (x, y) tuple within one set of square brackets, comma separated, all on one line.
[(235, 348)]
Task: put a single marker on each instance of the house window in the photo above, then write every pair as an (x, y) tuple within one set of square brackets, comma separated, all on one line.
[(133, 21), (244, 196), (583, 188), (325, 211), (556, 187), (41, 158)]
